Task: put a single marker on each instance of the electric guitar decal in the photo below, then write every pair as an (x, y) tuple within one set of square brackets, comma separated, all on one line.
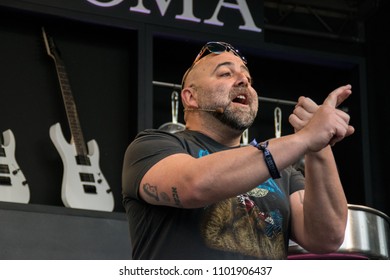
[(13, 184), (83, 184)]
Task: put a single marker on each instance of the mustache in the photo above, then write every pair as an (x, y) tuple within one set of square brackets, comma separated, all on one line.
[(234, 92)]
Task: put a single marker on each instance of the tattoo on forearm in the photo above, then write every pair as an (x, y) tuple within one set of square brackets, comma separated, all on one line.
[(176, 197)]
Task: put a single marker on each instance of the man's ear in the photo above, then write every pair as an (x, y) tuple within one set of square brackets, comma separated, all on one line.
[(189, 98)]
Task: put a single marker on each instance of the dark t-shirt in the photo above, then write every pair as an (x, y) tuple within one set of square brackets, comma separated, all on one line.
[(254, 225)]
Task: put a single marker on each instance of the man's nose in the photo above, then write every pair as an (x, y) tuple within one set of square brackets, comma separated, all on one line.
[(242, 79)]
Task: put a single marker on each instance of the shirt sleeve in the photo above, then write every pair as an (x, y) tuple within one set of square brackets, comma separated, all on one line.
[(297, 180), (292, 179), (146, 150)]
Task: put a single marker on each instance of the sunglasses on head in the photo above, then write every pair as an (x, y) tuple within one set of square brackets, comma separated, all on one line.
[(213, 47)]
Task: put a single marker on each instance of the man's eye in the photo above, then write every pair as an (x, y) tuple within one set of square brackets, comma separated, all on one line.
[(225, 74)]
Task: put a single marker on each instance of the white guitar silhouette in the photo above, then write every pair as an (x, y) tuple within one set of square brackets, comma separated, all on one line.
[(13, 184), (83, 183)]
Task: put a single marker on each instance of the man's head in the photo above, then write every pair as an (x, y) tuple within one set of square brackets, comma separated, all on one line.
[(216, 48), (219, 81)]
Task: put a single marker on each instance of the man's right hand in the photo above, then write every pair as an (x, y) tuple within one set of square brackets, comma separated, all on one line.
[(324, 124)]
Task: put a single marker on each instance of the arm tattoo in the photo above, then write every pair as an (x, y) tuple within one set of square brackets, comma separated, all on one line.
[(151, 191), (164, 196), (176, 197)]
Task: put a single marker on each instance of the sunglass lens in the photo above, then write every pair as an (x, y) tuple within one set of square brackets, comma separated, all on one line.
[(216, 48), (219, 47)]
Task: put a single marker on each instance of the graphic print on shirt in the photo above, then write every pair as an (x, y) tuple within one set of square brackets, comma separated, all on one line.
[(203, 153), (238, 225)]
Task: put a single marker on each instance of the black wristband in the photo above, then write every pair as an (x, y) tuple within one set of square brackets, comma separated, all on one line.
[(269, 160)]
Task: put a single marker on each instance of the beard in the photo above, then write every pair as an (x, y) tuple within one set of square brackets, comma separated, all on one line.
[(236, 120)]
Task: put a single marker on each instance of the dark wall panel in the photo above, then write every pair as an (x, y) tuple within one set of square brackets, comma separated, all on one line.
[(100, 66)]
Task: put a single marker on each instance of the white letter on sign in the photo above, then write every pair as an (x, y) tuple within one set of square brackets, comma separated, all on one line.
[(242, 6), (188, 13), (105, 4), (140, 8), (163, 6)]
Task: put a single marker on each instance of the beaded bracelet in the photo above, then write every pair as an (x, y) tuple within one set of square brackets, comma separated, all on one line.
[(269, 160)]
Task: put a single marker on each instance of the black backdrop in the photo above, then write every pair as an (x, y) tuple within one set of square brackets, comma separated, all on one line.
[(98, 65)]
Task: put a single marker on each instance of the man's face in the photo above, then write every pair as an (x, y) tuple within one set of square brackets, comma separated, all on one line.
[(223, 81)]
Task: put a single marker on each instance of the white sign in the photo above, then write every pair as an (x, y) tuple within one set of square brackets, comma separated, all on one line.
[(188, 11)]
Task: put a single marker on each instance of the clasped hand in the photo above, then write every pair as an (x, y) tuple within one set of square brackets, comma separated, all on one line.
[(322, 125)]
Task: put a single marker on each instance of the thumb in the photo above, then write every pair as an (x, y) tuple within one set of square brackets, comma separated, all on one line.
[(336, 97)]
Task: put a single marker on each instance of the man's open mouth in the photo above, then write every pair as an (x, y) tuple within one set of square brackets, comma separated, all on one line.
[(242, 99)]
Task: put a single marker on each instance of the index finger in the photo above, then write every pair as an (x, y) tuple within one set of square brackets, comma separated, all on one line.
[(336, 97)]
